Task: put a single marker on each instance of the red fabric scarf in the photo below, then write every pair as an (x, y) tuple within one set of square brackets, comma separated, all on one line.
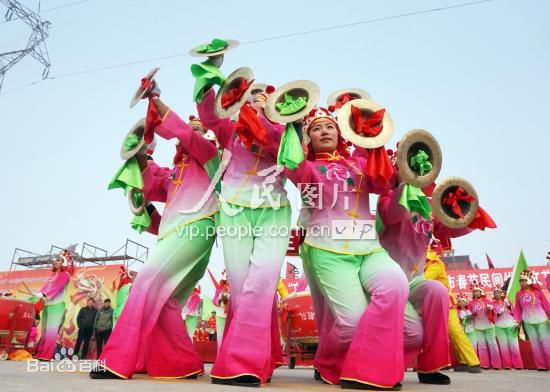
[(249, 127), (342, 100), (482, 220), (369, 127), (153, 119), (379, 166), (453, 198), (233, 95), (39, 306)]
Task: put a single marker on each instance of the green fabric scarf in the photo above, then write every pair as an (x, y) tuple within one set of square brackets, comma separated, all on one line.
[(206, 75), (420, 163), (128, 177), (131, 141), (414, 200), (290, 149), (290, 105)]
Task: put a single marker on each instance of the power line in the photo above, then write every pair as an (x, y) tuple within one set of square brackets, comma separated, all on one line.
[(368, 21), (51, 9), (65, 5), (272, 38)]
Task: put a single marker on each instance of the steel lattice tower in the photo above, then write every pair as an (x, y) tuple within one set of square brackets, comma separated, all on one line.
[(36, 46)]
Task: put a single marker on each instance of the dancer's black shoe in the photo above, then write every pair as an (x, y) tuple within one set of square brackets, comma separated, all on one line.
[(240, 381), (434, 378), (102, 373)]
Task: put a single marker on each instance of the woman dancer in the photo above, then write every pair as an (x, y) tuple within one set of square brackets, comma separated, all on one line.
[(150, 327), (507, 330), (361, 347), (465, 317), (255, 218), (53, 294), (484, 326), (533, 310)]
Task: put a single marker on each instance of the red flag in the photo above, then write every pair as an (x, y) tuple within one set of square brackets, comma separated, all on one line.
[(489, 261), (214, 281), (291, 271)]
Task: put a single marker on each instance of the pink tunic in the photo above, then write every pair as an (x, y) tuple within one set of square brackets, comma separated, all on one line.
[(480, 313), (531, 306), (335, 191), (54, 288), (247, 181), (183, 187), (192, 306), (504, 313)]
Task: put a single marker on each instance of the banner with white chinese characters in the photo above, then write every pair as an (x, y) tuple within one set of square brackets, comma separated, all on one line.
[(460, 280)]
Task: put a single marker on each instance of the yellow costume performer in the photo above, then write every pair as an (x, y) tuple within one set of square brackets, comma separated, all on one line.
[(467, 358)]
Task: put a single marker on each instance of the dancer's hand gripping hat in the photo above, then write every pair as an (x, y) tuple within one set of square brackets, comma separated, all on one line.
[(145, 86), (455, 202), (365, 123)]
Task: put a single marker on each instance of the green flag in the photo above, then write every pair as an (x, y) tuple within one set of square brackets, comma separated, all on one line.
[(207, 308), (513, 287)]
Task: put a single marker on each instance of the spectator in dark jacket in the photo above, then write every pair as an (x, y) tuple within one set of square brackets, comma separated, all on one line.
[(103, 325), (85, 322)]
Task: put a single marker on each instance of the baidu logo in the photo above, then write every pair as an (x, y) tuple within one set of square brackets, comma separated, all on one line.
[(64, 354), (65, 361)]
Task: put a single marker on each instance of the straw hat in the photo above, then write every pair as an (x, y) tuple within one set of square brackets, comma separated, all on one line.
[(303, 91), (144, 86), (348, 120), (455, 202), (340, 97), (232, 82), (223, 45), (133, 141), (419, 158)]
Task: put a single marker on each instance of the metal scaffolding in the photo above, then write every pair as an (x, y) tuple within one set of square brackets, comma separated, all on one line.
[(128, 254)]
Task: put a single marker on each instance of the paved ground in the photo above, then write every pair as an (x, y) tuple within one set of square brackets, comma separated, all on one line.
[(14, 377)]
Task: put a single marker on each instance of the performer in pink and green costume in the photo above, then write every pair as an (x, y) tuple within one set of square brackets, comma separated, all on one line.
[(191, 311), (507, 330), (533, 309), (405, 226), (483, 319), (121, 287), (53, 296), (151, 328), (252, 198), (364, 292)]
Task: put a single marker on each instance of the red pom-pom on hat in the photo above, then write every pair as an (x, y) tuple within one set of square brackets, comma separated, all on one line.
[(269, 89), (191, 118)]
